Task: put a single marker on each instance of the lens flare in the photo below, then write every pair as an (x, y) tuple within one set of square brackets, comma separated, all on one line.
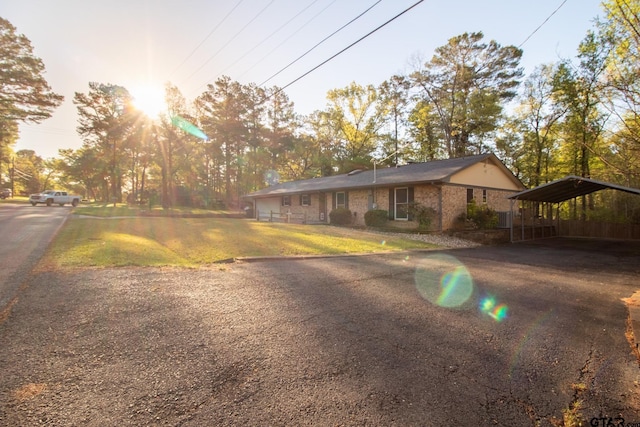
[(271, 177), (188, 127), (527, 343), (490, 307), (443, 281)]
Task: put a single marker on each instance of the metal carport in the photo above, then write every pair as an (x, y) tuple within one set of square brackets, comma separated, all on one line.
[(561, 190)]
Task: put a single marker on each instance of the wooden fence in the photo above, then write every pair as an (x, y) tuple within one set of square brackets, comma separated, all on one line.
[(602, 230), (290, 217)]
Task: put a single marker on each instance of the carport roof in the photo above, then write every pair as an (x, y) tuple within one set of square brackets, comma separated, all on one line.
[(568, 188)]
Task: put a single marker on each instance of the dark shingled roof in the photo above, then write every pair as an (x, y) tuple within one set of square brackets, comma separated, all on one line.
[(413, 173), (568, 188)]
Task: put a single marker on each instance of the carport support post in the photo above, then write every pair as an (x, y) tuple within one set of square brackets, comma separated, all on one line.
[(533, 221), (512, 201), (522, 222), (542, 218), (558, 218)]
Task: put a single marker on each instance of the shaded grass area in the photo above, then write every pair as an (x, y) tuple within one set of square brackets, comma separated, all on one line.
[(15, 199), (98, 209), (192, 242)]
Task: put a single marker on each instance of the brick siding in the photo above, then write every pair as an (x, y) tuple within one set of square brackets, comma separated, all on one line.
[(454, 203)]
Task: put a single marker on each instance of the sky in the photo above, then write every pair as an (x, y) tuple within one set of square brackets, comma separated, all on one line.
[(191, 43)]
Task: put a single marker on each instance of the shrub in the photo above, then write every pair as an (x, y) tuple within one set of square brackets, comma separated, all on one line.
[(463, 223), (340, 216), (423, 215), (376, 218), (482, 216)]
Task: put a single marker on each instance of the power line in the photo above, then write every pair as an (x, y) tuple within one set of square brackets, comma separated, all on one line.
[(206, 38), (541, 25), (347, 48), (322, 41), (303, 26), (233, 38), (270, 35), (21, 175)]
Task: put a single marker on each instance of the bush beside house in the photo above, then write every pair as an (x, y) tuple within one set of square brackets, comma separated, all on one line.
[(340, 216), (423, 215), (478, 217), (376, 218)]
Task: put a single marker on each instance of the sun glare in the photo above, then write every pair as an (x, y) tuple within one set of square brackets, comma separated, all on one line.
[(149, 100)]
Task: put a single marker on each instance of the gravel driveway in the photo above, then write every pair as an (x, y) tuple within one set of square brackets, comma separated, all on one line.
[(333, 341)]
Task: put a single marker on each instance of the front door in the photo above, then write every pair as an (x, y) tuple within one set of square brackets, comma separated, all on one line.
[(322, 206)]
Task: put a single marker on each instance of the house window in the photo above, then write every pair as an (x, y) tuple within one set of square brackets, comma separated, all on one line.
[(484, 196), (286, 200), (305, 200), (341, 199), (469, 195), (402, 203)]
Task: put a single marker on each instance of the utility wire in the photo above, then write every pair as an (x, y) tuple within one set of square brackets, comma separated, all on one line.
[(270, 35), (288, 38), (233, 38), (346, 48), (321, 41), (541, 25), (21, 175), (206, 38)]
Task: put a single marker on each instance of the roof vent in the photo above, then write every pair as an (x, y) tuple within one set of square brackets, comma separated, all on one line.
[(354, 172)]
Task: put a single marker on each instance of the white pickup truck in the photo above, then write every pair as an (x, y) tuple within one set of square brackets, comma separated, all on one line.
[(50, 197)]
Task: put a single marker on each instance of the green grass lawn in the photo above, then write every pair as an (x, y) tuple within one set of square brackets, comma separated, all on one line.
[(193, 242)]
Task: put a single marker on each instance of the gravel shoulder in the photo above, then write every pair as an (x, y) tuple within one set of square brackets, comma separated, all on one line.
[(442, 240)]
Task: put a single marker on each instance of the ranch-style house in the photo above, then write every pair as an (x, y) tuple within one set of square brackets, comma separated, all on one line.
[(447, 186)]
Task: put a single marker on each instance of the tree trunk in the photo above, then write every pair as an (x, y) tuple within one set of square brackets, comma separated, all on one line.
[(142, 178)]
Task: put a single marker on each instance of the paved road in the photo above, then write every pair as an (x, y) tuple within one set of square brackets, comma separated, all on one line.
[(389, 339), (25, 232)]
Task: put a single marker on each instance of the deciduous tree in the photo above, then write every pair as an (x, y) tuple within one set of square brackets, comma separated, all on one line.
[(467, 82), (425, 132), (539, 115), (581, 91), (355, 114), (621, 25)]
